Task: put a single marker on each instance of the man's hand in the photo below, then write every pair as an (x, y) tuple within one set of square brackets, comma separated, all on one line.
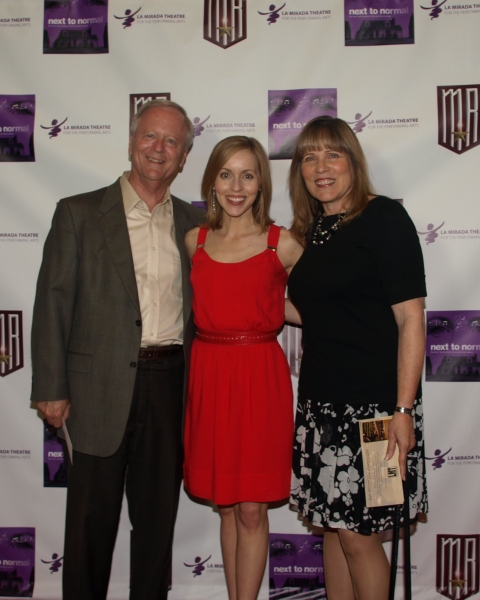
[(54, 411)]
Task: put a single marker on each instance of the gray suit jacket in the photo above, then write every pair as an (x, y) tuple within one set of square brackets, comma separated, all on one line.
[(86, 329)]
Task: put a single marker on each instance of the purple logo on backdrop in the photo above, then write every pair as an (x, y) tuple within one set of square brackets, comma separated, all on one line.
[(11, 341), (138, 100), (198, 125), (438, 458), (198, 565), (199, 204), (453, 346), (434, 8), (55, 128), (75, 27), (292, 347), (289, 111), (54, 470), (359, 124), (296, 566), (379, 22), (225, 22), (55, 563), (273, 13), (128, 17), (17, 562), (431, 233), (457, 566), (17, 118), (458, 122)]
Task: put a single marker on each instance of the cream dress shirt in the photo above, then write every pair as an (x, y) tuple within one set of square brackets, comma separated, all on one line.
[(158, 272)]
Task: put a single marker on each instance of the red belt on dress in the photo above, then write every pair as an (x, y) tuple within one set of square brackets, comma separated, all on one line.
[(236, 338)]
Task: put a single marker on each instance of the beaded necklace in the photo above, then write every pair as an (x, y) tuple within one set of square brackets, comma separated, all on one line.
[(323, 235)]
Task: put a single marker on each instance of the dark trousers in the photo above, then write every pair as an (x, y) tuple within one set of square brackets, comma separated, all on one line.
[(148, 466)]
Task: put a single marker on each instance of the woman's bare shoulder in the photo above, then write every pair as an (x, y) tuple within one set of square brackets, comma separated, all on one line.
[(289, 249)]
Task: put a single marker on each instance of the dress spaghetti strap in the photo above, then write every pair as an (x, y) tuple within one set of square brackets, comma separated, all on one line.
[(273, 237), (202, 236)]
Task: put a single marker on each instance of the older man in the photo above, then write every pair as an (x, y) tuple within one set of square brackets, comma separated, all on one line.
[(110, 322)]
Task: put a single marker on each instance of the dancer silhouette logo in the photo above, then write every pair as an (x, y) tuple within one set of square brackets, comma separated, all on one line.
[(198, 565), (55, 128), (55, 563), (431, 233), (273, 13), (438, 459), (128, 17)]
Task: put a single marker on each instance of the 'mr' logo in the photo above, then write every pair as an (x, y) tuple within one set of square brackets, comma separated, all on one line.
[(457, 566), (138, 100), (458, 124), (11, 341), (225, 22)]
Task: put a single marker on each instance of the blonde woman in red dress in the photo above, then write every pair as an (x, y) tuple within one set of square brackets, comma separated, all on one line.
[(239, 420)]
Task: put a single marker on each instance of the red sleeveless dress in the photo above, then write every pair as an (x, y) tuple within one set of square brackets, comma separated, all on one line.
[(239, 416)]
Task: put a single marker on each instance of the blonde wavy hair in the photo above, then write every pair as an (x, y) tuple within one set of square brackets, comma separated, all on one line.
[(222, 152)]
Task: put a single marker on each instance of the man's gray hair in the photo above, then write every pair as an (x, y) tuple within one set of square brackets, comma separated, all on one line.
[(164, 104)]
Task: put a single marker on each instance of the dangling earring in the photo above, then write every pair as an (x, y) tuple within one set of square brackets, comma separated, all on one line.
[(214, 204)]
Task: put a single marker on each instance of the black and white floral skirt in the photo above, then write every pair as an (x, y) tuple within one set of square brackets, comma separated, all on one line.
[(327, 480)]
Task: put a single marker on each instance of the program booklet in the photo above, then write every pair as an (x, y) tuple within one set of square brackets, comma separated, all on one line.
[(383, 482)]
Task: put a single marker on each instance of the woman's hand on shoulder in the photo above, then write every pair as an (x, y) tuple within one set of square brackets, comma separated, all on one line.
[(191, 241), (289, 250)]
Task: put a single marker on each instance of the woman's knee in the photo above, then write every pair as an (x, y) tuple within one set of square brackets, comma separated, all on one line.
[(226, 512), (355, 544), (251, 515)]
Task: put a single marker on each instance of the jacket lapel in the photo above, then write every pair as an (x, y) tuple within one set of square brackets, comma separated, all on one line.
[(182, 225), (113, 225)]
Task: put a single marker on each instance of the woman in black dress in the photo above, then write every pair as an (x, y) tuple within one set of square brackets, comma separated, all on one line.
[(359, 290)]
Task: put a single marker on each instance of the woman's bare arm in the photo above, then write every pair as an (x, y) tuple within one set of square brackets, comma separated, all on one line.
[(411, 349)]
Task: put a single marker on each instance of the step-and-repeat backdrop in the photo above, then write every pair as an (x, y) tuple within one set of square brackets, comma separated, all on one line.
[(403, 73)]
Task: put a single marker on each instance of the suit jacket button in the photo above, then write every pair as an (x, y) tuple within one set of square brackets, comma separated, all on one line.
[(138, 322), (133, 364)]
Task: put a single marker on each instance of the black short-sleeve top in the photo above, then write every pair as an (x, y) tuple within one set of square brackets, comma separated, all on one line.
[(344, 290)]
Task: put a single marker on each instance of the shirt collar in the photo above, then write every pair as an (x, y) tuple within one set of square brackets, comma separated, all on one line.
[(130, 196)]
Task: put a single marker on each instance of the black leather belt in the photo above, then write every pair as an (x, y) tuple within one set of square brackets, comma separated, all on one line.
[(159, 352)]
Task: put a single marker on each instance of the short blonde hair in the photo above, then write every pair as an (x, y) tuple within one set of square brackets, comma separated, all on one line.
[(332, 134), (221, 154)]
